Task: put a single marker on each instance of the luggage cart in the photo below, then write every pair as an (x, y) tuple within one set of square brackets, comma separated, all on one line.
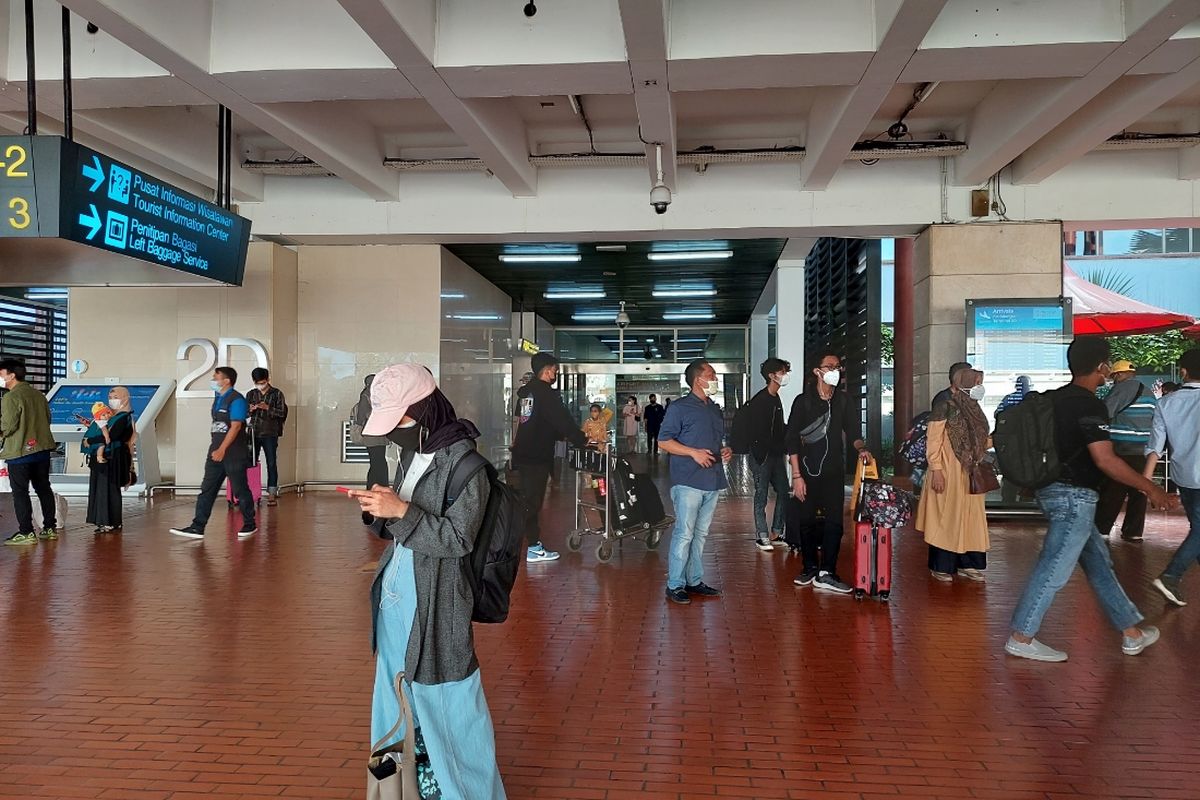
[(590, 463)]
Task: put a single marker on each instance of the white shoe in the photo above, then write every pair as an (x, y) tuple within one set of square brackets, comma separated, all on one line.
[(1034, 651), (1131, 646)]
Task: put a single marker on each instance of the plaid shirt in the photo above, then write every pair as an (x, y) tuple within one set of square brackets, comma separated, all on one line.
[(269, 422)]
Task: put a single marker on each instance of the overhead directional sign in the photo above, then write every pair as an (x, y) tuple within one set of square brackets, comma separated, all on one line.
[(51, 187)]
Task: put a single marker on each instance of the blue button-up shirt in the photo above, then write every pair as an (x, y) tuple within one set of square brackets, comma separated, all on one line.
[(1177, 418), (695, 423)]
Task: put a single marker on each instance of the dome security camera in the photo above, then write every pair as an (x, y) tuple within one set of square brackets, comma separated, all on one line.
[(660, 198), (530, 9), (622, 317)]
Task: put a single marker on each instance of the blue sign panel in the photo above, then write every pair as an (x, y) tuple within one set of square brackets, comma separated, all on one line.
[(71, 402), (110, 205), (51, 187), (1018, 336)]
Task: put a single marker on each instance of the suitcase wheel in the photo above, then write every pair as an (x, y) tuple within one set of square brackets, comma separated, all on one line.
[(859, 594), (575, 542), (605, 551), (885, 596), (653, 538)]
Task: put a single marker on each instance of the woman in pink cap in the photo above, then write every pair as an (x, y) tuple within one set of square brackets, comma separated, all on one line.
[(421, 600)]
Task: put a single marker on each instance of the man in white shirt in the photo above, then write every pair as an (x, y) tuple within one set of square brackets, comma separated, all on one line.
[(1177, 418)]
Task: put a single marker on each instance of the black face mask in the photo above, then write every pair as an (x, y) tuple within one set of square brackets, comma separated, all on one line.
[(406, 438)]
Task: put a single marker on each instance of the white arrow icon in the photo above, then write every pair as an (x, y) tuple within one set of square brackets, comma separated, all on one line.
[(94, 171), (92, 222)]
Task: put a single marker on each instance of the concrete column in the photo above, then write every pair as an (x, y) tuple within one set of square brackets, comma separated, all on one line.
[(902, 363), (953, 263), (789, 325), (758, 348)]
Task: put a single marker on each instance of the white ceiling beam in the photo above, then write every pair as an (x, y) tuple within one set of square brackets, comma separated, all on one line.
[(841, 115), (645, 26), (491, 128), (1116, 108), (1014, 116), (148, 30)]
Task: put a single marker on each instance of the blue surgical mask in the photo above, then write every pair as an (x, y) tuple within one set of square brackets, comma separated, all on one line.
[(216, 387)]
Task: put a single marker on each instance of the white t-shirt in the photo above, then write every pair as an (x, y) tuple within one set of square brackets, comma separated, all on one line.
[(416, 470)]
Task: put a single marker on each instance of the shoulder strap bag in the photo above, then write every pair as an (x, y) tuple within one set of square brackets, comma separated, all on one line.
[(392, 770)]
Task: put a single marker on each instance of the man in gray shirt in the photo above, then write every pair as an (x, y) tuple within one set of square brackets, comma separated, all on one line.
[(1177, 418)]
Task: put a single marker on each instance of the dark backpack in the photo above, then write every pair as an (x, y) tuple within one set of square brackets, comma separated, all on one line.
[(740, 438), (492, 564), (1025, 442)]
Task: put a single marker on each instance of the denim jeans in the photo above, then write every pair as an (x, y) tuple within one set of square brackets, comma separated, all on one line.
[(1071, 539), (269, 445), (694, 509), (1188, 552), (772, 473)]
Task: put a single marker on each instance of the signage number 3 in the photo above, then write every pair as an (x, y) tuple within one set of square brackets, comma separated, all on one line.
[(214, 355)]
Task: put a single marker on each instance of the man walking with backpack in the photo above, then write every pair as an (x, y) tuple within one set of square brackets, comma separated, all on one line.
[(1085, 455), (26, 448), (758, 431), (268, 413), (1177, 418)]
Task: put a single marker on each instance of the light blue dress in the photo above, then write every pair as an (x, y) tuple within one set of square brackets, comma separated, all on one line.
[(453, 718)]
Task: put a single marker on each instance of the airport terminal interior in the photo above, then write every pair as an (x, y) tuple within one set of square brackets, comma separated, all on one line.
[(749, 322)]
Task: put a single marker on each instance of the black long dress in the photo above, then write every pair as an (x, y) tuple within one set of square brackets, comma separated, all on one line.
[(106, 480)]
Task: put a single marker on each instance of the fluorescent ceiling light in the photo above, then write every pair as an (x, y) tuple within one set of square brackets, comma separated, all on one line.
[(490, 317), (541, 258), (581, 294), (671, 316), (453, 296), (690, 255), (685, 292), (595, 316), (694, 341)]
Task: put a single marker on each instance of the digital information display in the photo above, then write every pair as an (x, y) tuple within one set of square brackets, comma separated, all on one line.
[(74, 399), (1019, 336), (51, 187)]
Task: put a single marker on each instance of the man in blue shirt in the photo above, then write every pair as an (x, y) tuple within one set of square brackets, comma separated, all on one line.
[(229, 457), (1177, 418), (692, 433)]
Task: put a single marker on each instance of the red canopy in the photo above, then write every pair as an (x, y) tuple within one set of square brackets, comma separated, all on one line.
[(1099, 311), (1192, 332)]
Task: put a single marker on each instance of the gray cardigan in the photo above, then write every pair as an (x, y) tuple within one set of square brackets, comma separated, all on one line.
[(441, 648)]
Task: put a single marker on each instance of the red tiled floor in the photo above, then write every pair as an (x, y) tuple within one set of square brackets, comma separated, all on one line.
[(145, 666)]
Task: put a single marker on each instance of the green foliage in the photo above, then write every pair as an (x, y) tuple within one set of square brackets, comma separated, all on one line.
[(1151, 352), (887, 345), (1112, 279)]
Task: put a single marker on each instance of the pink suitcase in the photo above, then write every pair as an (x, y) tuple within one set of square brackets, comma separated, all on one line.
[(254, 478), (872, 561)]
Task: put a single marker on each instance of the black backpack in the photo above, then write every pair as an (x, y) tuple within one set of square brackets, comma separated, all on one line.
[(492, 564), (740, 436), (1025, 442)]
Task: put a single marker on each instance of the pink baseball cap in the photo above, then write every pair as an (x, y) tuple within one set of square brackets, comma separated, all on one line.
[(394, 389)]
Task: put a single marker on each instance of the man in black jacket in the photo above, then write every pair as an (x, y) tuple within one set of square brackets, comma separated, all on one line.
[(542, 421), (768, 454), (653, 414)]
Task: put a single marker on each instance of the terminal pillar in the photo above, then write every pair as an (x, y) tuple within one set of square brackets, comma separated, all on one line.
[(789, 326), (953, 263), (902, 362)]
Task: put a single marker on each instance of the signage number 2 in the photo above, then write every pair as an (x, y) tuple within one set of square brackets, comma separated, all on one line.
[(211, 361), (13, 170)]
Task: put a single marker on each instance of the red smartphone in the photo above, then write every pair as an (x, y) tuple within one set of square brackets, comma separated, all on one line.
[(344, 490)]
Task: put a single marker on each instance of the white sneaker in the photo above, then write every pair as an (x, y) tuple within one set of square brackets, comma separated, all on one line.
[(539, 553), (1131, 646), (1034, 651), (764, 545)]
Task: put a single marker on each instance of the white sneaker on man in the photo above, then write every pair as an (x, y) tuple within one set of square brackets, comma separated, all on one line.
[(1034, 651)]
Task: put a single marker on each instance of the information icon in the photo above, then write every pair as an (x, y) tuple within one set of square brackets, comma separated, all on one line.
[(119, 180)]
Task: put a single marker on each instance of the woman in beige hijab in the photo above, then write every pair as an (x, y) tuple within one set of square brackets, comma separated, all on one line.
[(951, 517), (108, 446)]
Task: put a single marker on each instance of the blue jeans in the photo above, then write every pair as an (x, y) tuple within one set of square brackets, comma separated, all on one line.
[(772, 473), (1188, 552), (1071, 539), (694, 509), (269, 445)]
